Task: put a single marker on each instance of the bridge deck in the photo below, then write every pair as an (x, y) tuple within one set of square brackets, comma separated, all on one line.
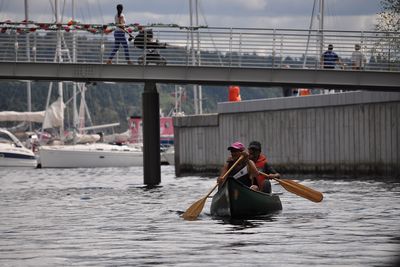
[(345, 79)]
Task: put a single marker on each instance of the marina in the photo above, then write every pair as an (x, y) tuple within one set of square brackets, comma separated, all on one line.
[(154, 194)]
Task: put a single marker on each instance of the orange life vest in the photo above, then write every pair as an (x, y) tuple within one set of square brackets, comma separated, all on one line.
[(261, 161)]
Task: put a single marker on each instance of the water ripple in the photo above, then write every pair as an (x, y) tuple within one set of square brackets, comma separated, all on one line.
[(106, 217)]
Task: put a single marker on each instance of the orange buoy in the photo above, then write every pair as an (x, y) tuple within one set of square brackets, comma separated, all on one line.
[(304, 92), (234, 93)]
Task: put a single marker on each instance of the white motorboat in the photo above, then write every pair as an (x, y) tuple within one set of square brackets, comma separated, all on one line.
[(89, 156), (169, 155), (13, 153)]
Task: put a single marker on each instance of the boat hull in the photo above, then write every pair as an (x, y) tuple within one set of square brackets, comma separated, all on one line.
[(169, 155), (89, 157), (17, 159), (236, 200), (13, 153)]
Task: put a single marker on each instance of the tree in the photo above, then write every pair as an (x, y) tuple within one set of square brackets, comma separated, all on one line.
[(388, 23), (389, 17)]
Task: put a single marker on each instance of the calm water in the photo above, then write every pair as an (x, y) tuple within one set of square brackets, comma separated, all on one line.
[(104, 217)]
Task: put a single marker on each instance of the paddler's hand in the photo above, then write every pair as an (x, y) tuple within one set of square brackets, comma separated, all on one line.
[(245, 155), (220, 180), (273, 175)]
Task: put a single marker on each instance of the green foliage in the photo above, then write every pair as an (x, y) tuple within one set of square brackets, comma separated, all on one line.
[(387, 48), (116, 102), (389, 17)]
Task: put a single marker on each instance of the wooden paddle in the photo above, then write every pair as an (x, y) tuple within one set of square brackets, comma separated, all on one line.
[(195, 209), (299, 189)]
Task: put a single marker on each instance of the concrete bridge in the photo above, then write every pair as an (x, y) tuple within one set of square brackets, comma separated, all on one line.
[(262, 77), (201, 55), (224, 56)]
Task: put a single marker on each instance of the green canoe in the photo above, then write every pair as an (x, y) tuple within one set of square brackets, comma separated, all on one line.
[(236, 200)]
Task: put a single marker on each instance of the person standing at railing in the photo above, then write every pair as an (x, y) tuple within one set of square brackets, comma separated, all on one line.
[(329, 59), (358, 59), (119, 36)]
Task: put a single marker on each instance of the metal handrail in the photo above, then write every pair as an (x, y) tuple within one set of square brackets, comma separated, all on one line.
[(217, 46)]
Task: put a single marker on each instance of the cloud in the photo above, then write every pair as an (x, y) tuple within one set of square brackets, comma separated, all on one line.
[(339, 14), (241, 5)]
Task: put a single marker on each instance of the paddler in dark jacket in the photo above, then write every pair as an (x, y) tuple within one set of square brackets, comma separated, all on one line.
[(245, 171), (262, 165)]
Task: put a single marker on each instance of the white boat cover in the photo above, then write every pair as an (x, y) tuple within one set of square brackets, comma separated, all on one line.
[(37, 116), (54, 115)]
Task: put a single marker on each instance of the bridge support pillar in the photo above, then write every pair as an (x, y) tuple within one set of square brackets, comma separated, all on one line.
[(151, 134)]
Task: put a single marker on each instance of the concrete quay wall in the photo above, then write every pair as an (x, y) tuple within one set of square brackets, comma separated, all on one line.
[(351, 133)]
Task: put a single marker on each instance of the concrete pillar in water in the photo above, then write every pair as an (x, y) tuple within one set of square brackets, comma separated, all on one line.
[(151, 135)]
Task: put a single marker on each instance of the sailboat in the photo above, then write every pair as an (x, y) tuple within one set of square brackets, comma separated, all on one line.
[(85, 152), (85, 155), (89, 156)]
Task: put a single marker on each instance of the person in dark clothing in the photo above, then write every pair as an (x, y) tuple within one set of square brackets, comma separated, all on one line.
[(329, 59), (262, 165), (144, 40), (287, 91)]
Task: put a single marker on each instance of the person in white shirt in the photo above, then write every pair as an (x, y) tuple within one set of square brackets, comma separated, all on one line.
[(119, 36), (358, 60)]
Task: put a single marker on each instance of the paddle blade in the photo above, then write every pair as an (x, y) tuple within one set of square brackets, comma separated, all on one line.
[(301, 190), (194, 210)]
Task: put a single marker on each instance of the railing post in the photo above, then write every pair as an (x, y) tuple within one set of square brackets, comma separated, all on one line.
[(102, 48), (34, 49), (273, 48), (240, 49), (281, 52), (230, 48), (362, 51), (187, 47), (145, 47), (16, 46)]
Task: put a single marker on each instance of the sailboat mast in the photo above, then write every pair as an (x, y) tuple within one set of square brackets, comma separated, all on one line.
[(59, 59), (28, 55), (321, 26), (200, 97), (309, 34), (75, 117), (195, 97)]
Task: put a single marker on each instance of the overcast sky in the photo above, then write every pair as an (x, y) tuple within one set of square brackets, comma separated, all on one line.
[(339, 14)]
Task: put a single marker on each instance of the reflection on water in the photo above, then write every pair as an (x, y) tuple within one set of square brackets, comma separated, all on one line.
[(106, 217)]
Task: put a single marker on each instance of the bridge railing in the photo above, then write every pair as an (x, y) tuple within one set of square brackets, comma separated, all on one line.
[(203, 46)]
